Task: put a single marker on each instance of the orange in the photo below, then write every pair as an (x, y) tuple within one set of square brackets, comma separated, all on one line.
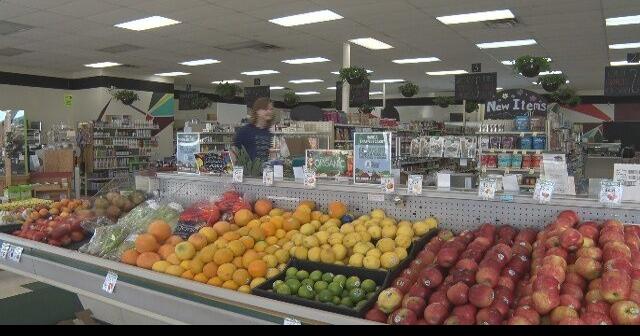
[(291, 224), (198, 240), (265, 219), (257, 234), (316, 215), (173, 259), (223, 256), (160, 229), (277, 221), (302, 216), (309, 204), (253, 224), (269, 229), (222, 227), (237, 261), (257, 269), (231, 236), (242, 217), (280, 233), (215, 281), (237, 247), (225, 271), (245, 289), (247, 241), (233, 227), (243, 231), (146, 243), (241, 277), (130, 257), (230, 284), (200, 277), (337, 209), (147, 259), (210, 270), (187, 275), (174, 240), (165, 251), (248, 257), (263, 207), (210, 233), (260, 246)]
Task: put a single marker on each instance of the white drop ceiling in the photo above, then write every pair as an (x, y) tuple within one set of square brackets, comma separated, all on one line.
[(67, 34)]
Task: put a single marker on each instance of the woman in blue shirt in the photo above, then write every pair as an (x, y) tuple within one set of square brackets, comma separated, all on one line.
[(256, 137)]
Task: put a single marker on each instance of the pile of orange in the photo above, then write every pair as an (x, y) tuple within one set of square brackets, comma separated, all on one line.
[(150, 247)]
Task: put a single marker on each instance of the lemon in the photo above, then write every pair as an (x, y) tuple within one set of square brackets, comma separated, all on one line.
[(420, 228), (323, 237), (405, 230), (389, 260), (365, 236), (327, 256), (371, 262), (347, 228), (388, 221), (361, 248), (316, 224), (356, 260), (335, 238), (374, 252), (386, 245), (431, 222), (389, 231), (375, 232), (360, 227), (307, 229), (301, 252), (378, 213), (340, 251), (282, 255), (401, 253), (351, 239), (364, 218), (314, 254), (404, 223), (257, 282), (333, 229), (310, 242), (403, 241)]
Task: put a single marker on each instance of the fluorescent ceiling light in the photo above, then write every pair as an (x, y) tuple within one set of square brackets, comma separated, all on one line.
[(332, 88), (306, 18), (200, 62), (621, 63), (172, 74), (102, 65), (371, 43), (305, 81), (506, 44), (231, 81), (260, 72), (381, 81), (625, 46), (307, 93), (416, 60), (306, 60), (148, 23), (623, 20), (538, 83), (512, 62), (476, 17), (499, 89), (544, 73), (376, 93), (277, 88), (338, 72), (447, 72)]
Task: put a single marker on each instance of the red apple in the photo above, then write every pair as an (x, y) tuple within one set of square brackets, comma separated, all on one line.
[(572, 290), (466, 313), (576, 279), (504, 294), (610, 236), (529, 313), (452, 320), (488, 276), (431, 277), (488, 316), (618, 264), (570, 301), (522, 248), (570, 215), (507, 282), (593, 296), (545, 282), (594, 318), (518, 320), (611, 223), (458, 294), (588, 242), (595, 284), (500, 306), (590, 252), (601, 307), (467, 264), (419, 290), (436, 313), (434, 245), (447, 257), (417, 265), (554, 271), (616, 286), (562, 312), (439, 296), (625, 313), (415, 304), (570, 321), (427, 257), (559, 251), (445, 235), (635, 297), (571, 240), (402, 316), (525, 235), (589, 231), (555, 260), (481, 296), (376, 315), (402, 284), (614, 250), (525, 300), (588, 268), (551, 242), (545, 301), (409, 274)]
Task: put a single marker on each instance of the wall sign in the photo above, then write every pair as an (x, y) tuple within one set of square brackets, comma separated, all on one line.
[(251, 94), (330, 163), (622, 81), (372, 157), (516, 102), (476, 86), (629, 175)]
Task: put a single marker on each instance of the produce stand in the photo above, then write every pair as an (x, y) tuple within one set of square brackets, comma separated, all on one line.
[(166, 299)]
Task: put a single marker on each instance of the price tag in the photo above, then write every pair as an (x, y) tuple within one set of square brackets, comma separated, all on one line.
[(504, 151), (507, 170), (388, 184), (506, 198), (492, 150), (238, 174), (153, 204), (267, 176), (611, 192), (484, 169), (532, 171), (521, 135), (487, 188), (414, 184), (15, 253), (375, 198), (110, 282), (310, 178), (4, 250), (463, 162), (444, 181), (544, 190), (278, 172), (535, 134), (291, 321)]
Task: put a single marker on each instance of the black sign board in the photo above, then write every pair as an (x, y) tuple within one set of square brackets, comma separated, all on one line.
[(516, 102), (251, 94), (622, 81), (186, 100), (256, 82), (476, 67), (477, 86), (359, 94), (633, 58)]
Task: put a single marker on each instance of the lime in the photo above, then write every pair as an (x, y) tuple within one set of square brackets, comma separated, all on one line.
[(368, 286), (315, 275), (347, 302), (319, 286), (353, 282), (341, 279), (276, 284), (293, 284), (336, 300), (306, 292), (356, 294), (345, 293), (327, 277), (360, 305), (283, 289), (302, 274), (325, 296), (370, 295), (335, 288), (291, 272), (307, 282)]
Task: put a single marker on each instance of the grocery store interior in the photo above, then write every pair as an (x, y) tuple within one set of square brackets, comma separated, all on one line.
[(249, 162)]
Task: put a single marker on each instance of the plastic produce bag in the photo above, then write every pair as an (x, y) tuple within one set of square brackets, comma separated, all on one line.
[(196, 217)]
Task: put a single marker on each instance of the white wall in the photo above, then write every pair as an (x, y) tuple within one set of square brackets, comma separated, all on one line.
[(231, 114)]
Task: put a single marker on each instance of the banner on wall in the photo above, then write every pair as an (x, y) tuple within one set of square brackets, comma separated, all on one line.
[(516, 102)]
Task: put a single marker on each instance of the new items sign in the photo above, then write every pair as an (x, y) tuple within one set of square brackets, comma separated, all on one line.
[(517, 102)]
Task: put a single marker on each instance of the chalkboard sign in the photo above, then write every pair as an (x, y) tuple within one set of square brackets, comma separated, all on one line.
[(186, 100), (358, 94), (517, 102), (622, 81), (214, 163), (330, 163), (251, 94), (477, 86)]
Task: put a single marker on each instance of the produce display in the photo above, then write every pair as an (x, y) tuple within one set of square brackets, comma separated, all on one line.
[(114, 205), (570, 273)]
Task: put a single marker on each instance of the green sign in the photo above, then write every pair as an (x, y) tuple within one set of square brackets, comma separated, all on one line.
[(330, 163), (372, 157), (68, 100)]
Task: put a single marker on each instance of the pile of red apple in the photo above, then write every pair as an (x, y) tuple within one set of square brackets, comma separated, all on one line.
[(56, 231), (497, 275)]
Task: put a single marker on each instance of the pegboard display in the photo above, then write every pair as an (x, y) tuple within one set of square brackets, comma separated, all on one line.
[(455, 210)]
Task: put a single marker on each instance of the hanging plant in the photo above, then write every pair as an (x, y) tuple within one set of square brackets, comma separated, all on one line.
[(471, 106), (551, 83), (409, 90), (531, 66), (354, 75), (365, 108), (126, 97), (444, 102), (566, 95), (200, 102), (228, 91), (291, 98)]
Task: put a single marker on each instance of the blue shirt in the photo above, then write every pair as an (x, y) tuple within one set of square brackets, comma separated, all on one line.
[(257, 141)]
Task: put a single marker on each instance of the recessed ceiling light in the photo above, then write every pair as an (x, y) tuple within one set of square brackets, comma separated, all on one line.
[(371, 43), (148, 23), (102, 65), (277, 88), (387, 81), (476, 17), (306, 18), (623, 20), (231, 81), (200, 62), (499, 89), (332, 88), (375, 93), (625, 45), (416, 60), (305, 81), (506, 44), (544, 73), (621, 63), (307, 93), (447, 72), (306, 60), (512, 62), (260, 72), (172, 74), (338, 72)]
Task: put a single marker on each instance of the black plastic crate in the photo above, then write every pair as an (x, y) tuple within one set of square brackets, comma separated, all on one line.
[(414, 250), (379, 277)]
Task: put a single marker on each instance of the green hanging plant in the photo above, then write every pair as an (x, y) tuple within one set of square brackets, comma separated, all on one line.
[(444, 102), (291, 98), (228, 91), (365, 108), (471, 106), (566, 95), (353, 75), (409, 90), (551, 83), (531, 66), (126, 97)]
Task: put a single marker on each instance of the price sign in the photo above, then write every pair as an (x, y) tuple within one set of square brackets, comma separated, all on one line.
[(278, 172), (610, 192), (388, 184), (153, 204), (267, 176), (375, 198), (15, 253), (238, 174), (506, 198), (544, 190), (415, 184), (310, 178), (4, 250), (487, 188), (291, 321), (110, 282)]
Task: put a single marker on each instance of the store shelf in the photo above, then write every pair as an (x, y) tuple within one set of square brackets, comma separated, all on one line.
[(527, 151), (215, 143), (512, 170), (127, 128), (121, 137), (512, 133)]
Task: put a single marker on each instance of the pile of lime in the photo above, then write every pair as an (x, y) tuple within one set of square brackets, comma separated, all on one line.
[(339, 290)]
